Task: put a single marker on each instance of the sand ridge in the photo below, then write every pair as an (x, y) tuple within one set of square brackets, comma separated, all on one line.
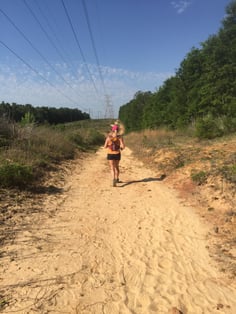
[(136, 248)]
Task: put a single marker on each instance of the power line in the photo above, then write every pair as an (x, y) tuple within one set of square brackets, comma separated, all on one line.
[(31, 44), (78, 44), (44, 31), (109, 112), (29, 66), (57, 39), (93, 44)]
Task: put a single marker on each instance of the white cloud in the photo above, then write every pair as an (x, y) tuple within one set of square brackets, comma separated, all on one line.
[(21, 85), (181, 5)]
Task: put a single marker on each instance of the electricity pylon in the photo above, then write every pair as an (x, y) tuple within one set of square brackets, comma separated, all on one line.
[(109, 112)]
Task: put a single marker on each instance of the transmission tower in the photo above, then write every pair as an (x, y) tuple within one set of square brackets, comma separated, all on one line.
[(109, 112)]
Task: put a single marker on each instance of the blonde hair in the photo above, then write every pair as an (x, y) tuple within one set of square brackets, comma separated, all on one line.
[(118, 127)]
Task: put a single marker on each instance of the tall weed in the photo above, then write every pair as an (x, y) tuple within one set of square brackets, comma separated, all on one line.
[(149, 139), (13, 174)]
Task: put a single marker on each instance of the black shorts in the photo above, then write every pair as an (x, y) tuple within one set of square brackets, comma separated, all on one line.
[(113, 156)]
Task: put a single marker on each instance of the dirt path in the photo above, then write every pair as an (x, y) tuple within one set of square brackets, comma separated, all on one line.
[(136, 248)]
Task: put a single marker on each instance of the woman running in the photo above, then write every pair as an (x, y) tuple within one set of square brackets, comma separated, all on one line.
[(114, 144)]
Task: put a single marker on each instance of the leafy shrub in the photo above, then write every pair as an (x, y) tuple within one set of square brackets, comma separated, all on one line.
[(85, 138), (76, 138), (28, 119), (6, 132), (4, 141), (229, 125), (208, 128), (229, 173), (3, 302), (199, 177), (49, 144), (15, 175), (95, 137)]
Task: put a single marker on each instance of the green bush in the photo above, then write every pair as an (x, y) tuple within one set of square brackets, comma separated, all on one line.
[(229, 173), (229, 125), (95, 137), (208, 128), (4, 141), (76, 138), (15, 175), (199, 177), (28, 119), (49, 144), (6, 132)]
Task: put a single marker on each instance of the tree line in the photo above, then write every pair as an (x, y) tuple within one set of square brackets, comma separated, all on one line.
[(17, 113), (202, 91)]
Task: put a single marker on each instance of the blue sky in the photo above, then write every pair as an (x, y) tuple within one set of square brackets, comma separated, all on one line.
[(89, 54)]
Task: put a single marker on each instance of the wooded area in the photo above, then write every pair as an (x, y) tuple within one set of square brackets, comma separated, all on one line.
[(15, 112), (202, 91)]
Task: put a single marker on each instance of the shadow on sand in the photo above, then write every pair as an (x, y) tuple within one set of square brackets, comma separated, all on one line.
[(161, 178)]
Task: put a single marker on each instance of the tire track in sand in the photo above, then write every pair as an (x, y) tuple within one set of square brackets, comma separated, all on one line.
[(131, 249)]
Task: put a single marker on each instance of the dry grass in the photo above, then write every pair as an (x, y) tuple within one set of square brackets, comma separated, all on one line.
[(41, 147)]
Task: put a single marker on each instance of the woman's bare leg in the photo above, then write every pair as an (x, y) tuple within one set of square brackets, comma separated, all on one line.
[(116, 169), (113, 171), (112, 168)]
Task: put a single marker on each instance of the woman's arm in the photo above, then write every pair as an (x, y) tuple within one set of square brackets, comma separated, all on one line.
[(106, 143), (122, 143)]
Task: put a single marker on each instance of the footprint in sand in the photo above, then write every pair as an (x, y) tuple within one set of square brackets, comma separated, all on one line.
[(134, 275)]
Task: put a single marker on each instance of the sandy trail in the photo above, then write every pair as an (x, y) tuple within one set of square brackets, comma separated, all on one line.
[(136, 248)]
